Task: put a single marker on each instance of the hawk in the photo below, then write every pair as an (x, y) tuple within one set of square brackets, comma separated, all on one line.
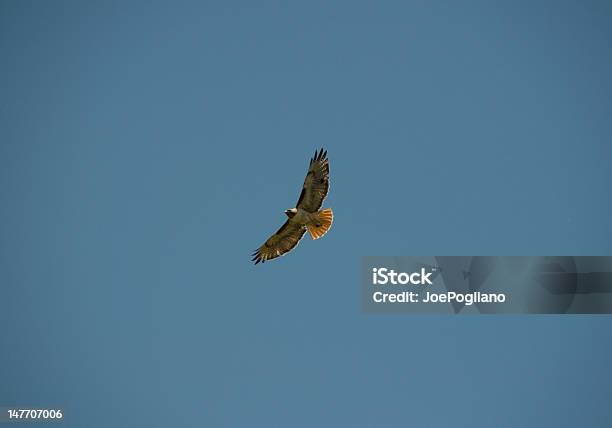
[(305, 216)]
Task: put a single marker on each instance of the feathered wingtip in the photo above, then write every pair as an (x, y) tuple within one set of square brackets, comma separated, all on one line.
[(319, 155), (257, 257)]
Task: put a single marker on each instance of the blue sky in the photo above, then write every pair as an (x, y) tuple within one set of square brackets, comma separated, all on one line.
[(146, 148)]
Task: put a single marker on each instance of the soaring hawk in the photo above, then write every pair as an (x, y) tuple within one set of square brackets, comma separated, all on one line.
[(305, 216)]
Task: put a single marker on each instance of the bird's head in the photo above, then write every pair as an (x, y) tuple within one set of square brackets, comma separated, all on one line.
[(290, 213)]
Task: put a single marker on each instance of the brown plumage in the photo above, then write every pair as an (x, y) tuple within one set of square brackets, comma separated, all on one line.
[(305, 216)]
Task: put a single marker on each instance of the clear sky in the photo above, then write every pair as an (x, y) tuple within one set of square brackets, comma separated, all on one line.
[(147, 148)]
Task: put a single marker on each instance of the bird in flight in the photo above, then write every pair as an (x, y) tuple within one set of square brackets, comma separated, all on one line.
[(305, 216)]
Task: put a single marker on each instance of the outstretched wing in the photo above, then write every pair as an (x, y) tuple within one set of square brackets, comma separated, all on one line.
[(316, 184), (283, 241)]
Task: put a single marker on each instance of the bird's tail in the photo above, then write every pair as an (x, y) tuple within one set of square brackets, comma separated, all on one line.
[(326, 218)]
